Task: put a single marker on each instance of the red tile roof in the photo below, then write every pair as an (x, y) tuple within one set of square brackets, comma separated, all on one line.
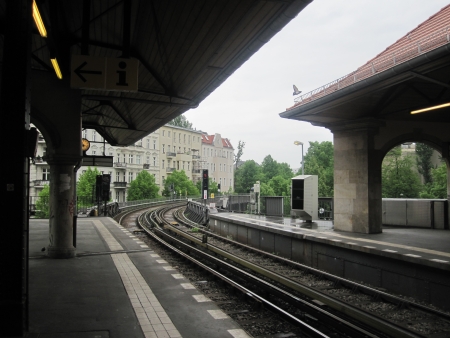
[(429, 35), (209, 139)]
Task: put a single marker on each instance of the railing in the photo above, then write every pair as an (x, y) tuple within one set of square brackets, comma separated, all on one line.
[(120, 184), (196, 171), (40, 183), (146, 166), (170, 154), (39, 160), (433, 41), (169, 170), (195, 157), (120, 165)]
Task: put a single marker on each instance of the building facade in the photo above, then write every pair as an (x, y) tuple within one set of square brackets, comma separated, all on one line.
[(160, 153)]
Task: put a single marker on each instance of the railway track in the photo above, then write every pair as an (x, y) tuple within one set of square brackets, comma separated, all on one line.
[(304, 296)]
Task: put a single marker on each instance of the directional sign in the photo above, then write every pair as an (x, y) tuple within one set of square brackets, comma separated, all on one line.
[(122, 74), (91, 72), (88, 72)]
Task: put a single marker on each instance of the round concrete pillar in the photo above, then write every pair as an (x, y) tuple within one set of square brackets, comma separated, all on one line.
[(62, 206)]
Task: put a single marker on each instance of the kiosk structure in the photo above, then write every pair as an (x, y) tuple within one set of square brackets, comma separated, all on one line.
[(304, 197)]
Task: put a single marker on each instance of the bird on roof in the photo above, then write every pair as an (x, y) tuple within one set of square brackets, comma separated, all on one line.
[(296, 91)]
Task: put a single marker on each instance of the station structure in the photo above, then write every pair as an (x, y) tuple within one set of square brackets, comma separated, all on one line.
[(401, 95), (123, 68)]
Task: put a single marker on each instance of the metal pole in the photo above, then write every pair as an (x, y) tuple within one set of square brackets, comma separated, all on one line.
[(303, 164)]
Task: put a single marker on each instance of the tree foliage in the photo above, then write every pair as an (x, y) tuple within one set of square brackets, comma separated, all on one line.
[(43, 203), (143, 187), (423, 160), (213, 187), (246, 175), (182, 185), (319, 160), (86, 182), (240, 152), (181, 121), (437, 188), (399, 180)]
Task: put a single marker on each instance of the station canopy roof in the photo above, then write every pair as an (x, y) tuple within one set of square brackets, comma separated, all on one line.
[(411, 74), (185, 49)]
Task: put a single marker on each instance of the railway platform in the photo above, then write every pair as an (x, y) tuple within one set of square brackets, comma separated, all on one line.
[(423, 246), (115, 287), (412, 262)]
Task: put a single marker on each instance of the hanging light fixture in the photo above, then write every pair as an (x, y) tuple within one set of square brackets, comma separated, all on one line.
[(38, 20)]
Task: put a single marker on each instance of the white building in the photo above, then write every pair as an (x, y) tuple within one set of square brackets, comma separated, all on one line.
[(160, 153)]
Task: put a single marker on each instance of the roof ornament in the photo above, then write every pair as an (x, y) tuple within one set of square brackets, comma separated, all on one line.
[(296, 91)]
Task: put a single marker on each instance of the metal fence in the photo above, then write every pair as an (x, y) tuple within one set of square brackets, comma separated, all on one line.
[(433, 41)]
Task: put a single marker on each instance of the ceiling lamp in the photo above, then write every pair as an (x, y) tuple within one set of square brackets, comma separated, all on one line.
[(431, 108), (38, 20), (56, 68)]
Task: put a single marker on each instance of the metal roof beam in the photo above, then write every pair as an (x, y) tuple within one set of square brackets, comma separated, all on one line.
[(132, 99), (429, 79)]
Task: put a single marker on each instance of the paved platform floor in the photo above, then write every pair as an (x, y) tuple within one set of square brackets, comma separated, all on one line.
[(116, 287), (414, 244)]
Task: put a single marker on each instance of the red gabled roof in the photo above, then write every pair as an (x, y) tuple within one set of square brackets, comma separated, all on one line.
[(209, 139), (431, 34)]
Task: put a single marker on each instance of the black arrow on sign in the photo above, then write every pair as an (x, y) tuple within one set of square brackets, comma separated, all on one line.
[(80, 71)]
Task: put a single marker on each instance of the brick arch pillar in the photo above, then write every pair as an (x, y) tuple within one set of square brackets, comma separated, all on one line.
[(357, 177)]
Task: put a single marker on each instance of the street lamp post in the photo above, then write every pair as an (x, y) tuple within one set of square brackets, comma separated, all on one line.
[(298, 143)]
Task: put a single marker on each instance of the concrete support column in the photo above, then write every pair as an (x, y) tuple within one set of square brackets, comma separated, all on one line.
[(62, 207), (357, 181)]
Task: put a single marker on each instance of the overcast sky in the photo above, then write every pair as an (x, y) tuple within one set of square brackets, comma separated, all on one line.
[(328, 39)]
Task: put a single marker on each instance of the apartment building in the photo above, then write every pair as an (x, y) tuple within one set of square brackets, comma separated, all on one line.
[(218, 157), (160, 153)]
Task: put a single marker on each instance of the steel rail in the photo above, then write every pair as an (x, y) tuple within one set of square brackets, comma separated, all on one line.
[(292, 298), (342, 281)]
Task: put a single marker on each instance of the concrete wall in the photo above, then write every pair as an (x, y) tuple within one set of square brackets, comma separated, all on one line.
[(429, 281)]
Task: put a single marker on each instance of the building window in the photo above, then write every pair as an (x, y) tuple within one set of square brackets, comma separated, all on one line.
[(46, 174), (179, 138), (174, 137), (154, 161), (93, 152), (94, 135), (117, 176), (148, 159), (138, 159), (148, 143), (154, 144), (123, 158), (168, 148), (130, 177), (163, 149), (124, 177), (164, 133), (168, 134), (221, 167), (188, 165), (162, 165), (163, 179), (183, 165), (130, 158), (117, 196)]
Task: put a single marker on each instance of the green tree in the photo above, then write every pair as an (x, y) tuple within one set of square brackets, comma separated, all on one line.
[(238, 155), (269, 168), (86, 182), (182, 184), (181, 121), (280, 186), (398, 176), (43, 203), (213, 187), (319, 160), (423, 160), (246, 175), (143, 187), (438, 187)]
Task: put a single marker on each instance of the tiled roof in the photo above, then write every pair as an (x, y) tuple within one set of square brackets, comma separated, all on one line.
[(429, 35), (209, 139)]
